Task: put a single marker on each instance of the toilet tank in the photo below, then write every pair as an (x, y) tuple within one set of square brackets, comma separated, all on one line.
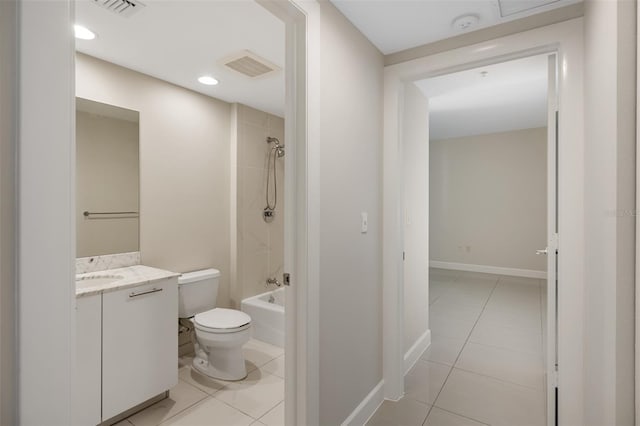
[(197, 292)]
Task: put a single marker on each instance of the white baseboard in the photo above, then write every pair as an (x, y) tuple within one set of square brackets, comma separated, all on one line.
[(413, 354), (363, 412), (514, 272)]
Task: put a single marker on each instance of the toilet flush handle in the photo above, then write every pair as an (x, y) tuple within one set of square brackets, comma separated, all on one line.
[(543, 251)]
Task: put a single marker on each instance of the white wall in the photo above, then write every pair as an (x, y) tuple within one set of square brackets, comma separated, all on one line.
[(46, 232), (350, 176), (184, 167), (610, 75), (415, 146), (8, 136), (489, 199)]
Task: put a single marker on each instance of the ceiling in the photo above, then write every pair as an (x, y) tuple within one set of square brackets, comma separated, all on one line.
[(395, 25), (510, 96), (178, 41)]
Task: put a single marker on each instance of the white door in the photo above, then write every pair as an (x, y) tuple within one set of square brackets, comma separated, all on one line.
[(552, 243)]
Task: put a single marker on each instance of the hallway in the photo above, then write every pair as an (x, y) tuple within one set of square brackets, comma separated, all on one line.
[(485, 364)]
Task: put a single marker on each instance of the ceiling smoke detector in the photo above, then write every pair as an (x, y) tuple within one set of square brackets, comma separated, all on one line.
[(250, 65), (464, 22), (124, 8)]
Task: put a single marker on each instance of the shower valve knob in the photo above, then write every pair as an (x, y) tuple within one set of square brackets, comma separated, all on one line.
[(272, 281), (268, 215)]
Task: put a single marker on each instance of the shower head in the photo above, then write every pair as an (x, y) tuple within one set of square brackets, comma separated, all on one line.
[(271, 139), (279, 147)]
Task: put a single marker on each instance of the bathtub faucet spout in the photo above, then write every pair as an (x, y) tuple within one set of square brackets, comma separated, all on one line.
[(272, 281)]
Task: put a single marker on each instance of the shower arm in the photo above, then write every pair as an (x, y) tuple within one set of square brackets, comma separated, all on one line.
[(272, 139)]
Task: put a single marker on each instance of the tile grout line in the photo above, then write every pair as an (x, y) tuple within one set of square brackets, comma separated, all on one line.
[(195, 387), (237, 409), (461, 350), (518, 351), (466, 417), (448, 281), (183, 410), (270, 410), (506, 382), (455, 279), (212, 396)]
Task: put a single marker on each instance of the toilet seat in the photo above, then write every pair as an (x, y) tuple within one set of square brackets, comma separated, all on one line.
[(221, 320)]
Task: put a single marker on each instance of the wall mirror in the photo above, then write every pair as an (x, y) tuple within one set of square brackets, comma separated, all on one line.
[(107, 179)]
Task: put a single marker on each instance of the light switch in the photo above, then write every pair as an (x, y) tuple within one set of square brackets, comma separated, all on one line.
[(364, 225)]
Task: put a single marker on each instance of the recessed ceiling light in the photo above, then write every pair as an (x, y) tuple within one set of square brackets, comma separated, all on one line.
[(208, 80), (83, 33)]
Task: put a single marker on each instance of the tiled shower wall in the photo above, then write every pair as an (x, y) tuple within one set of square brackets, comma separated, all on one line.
[(258, 249)]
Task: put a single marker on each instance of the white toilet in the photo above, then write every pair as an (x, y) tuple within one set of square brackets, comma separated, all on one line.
[(220, 333)]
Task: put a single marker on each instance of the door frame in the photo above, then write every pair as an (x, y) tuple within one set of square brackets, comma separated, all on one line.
[(637, 235), (564, 39), (302, 186), (46, 197)]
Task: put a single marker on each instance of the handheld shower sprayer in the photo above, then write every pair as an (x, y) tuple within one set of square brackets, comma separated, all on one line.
[(277, 151)]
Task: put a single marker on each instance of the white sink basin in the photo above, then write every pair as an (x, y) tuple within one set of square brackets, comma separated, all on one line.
[(96, 280)]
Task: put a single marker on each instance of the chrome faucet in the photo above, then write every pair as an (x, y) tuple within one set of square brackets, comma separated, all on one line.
[(272, 281)]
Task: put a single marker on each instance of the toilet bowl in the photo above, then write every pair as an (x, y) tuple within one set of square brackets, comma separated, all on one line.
[(219, 333), (219, 337)]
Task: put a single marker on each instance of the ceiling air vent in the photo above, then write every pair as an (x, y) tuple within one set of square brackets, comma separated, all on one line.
[(250, 65), (123, 8)]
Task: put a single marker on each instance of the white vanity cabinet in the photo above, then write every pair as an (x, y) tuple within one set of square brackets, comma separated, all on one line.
[(126, 342), (139, 344), (88, 361)]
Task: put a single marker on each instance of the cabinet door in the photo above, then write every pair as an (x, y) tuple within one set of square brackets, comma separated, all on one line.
[(139, 344), (87, 398)]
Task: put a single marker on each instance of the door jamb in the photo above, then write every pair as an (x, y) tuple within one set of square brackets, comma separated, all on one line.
[(302, 28), (565, 40)]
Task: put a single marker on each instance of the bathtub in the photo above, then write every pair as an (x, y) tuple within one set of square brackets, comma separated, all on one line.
[(267, 316)]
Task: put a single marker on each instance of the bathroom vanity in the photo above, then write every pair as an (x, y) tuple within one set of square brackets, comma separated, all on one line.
[(127, 348)]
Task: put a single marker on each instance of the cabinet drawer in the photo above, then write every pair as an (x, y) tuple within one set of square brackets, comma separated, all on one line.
[(140, 344)]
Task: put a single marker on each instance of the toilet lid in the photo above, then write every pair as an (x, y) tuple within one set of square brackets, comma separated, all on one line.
[(222, 318)]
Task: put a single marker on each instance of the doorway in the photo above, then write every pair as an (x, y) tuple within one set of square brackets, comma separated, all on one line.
[(53, 166), (399, 78), (487, 217)]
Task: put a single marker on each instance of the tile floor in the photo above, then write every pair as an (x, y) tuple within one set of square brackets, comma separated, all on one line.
[(485, 364), (198, 401)]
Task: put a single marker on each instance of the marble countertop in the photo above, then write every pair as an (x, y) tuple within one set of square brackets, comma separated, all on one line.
[(130, 276)]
